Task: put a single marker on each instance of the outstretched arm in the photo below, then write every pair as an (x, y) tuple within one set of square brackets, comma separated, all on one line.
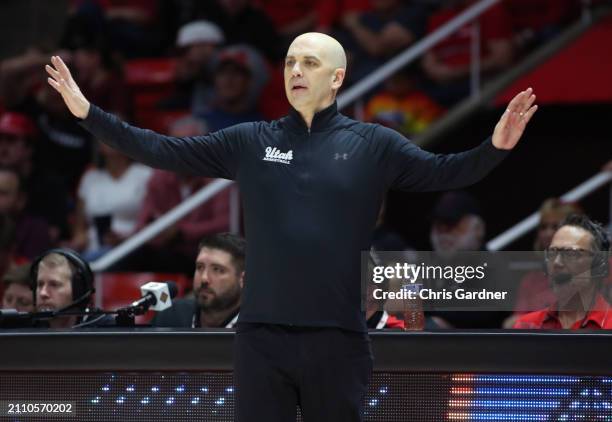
[(414, 169), (212, 155)]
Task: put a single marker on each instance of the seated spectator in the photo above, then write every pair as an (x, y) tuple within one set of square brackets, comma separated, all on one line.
[(47, 196), (109, 199), (243, 23), (32, 233), (389, 248), (20, 75), (330, 13), (534, 290), (447, 64), (8, 259), (457, 224), (18, 289), (198, 44), (217, 285), (402, 106), (239, 78), (377, 35), (96, 70), (291, 18), (65, 149), (63, 280), (576, 263), (62, 147), (132, 26), (173, 250)]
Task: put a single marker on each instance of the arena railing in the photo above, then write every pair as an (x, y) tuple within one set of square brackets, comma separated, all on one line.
[(170, 218), (529, 223), (471, 14)]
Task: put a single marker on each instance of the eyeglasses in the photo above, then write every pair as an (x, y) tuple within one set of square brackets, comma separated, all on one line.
[(566, 254)]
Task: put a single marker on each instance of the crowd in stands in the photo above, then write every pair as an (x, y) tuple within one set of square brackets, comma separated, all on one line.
[(187, 68)]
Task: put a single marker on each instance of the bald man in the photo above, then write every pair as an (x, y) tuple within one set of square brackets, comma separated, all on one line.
[(312, 183)]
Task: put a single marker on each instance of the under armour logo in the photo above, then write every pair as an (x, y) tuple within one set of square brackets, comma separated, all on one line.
[(339, 156)]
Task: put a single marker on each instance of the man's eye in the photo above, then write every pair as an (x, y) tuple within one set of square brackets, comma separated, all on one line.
[(289, 63)]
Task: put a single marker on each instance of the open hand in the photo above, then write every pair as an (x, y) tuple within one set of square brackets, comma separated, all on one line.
[(61, 80), (512, 124)]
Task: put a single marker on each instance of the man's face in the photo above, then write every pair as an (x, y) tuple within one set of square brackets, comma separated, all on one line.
[(18, 296), (14, 150), (86, 63), (9, 193), (194, 60), (216, 281), (309, 75), (53, 287), (232, 83), (572, 254)]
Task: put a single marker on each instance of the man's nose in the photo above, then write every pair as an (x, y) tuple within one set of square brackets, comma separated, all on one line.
[(43, 292), (296, 70), (558, 261), (205, 277)]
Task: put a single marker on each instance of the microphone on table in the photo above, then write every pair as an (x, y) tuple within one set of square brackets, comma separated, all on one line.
[(156, 296)]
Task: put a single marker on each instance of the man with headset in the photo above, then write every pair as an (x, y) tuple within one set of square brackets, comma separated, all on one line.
[(576, 264), (62, 280)]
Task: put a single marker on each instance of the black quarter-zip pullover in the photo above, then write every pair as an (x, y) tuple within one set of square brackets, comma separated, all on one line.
[(310, 196)]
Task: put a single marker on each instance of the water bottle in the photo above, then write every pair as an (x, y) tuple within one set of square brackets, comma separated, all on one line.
[(414, 317)]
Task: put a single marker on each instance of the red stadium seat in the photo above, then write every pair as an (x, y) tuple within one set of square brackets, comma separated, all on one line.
[(273, 101), (121, 289), (158, 120), (150, 73), (150, 81)]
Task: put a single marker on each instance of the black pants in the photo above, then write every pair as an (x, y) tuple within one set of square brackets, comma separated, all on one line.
[(325, 371)]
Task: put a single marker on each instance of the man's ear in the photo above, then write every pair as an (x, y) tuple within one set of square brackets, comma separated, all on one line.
[(338, 78), (241, 280)]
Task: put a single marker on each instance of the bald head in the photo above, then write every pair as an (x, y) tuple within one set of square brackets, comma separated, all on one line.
[(330, 50), (314, 71)]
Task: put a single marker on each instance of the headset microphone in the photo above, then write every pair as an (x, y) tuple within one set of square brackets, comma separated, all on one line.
[(565, 277), (562, 278)]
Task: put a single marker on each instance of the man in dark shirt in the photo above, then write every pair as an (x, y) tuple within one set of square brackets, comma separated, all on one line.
[(32, 233), (217, 284), (312, 184), (47, 195)]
